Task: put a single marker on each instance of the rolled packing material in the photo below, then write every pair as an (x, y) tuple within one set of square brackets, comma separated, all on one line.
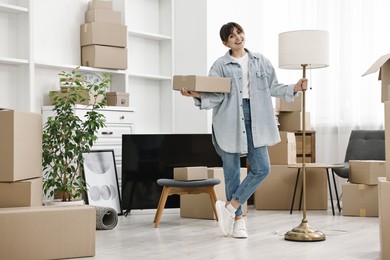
[(106, 218)]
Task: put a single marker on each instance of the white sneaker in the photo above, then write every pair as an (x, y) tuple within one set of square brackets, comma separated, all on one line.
[(225, 218), (239, 230)]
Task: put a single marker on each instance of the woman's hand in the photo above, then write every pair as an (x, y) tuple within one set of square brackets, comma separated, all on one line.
[(301, 85), (188, 93)]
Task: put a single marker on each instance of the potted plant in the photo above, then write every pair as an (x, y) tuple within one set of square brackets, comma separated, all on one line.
[(66, 136)]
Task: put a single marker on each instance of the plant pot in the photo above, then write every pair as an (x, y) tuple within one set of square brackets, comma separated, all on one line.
[(64, 203)]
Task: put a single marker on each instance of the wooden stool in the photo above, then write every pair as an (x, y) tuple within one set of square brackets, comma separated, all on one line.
[(171, 187)]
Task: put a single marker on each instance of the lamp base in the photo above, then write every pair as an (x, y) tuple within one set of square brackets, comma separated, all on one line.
[(304, 233)]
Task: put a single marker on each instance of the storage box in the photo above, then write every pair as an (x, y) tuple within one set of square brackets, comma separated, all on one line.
[(366, 172), (120, 99), (360, 200), (384, 217), (383, 65), (201, 83), (50, 232), (387, 139), (276, 191), (292, 121), (190, 173), (21, 145), (199, 205), (104, 57), (107, 34), (284, 152), (25, 193), (84, 93), (282, 105), (102, 16), (100, 4)]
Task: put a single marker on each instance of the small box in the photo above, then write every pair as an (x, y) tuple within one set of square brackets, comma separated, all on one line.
[(107, 34), (292, 121), (100, 4), (21, 145), (27, 193), (190, 173), (49, 232), (120, 99), (276, 191), (199, 205), (383, 65), (360, 200), (284, 152), (384, 216), (102, 16), (104, 57), (366, 172), (202, 83), (84, 93), (282, 105)]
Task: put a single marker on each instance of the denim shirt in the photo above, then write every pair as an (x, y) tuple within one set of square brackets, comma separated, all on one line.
[(228, 118)]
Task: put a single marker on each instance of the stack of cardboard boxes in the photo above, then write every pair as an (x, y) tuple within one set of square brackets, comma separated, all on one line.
[(42, 232), (103, 38), (276, 192), (383, 65)]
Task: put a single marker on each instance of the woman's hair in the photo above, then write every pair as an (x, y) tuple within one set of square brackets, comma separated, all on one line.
[(227, 29)]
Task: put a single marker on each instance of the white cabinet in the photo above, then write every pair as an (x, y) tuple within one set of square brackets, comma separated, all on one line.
[(119, 121)]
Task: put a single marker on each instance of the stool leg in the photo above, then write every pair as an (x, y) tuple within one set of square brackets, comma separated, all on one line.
[(161, 205), (213, 198), (337, 194), (330, 189)]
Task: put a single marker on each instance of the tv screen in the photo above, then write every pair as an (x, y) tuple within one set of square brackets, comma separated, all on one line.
[(148, 157)]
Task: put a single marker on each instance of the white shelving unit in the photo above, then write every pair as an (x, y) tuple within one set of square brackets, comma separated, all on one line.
[(150, 59)]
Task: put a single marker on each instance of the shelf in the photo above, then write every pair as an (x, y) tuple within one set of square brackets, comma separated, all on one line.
[(152, 36), (13, 9), (82, 68), (149, 76), (106, 108), (13, 61)]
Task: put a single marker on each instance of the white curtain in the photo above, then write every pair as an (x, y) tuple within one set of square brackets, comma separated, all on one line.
[(340, 99)]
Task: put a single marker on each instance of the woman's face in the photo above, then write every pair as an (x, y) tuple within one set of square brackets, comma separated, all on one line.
[(236, 40)]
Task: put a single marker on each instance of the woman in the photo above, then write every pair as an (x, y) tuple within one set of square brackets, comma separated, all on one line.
[(243, 122)]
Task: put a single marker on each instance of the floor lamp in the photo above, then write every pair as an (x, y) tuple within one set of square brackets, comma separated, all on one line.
[(299, 50)]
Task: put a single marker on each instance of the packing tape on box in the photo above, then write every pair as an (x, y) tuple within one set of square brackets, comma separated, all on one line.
[(362, 213), (361, 186), (106, 218)]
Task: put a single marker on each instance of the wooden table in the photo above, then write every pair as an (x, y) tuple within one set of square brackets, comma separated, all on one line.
[(328, 168)]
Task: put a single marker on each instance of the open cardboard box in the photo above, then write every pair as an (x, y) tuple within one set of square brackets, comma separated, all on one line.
[(383, 65)]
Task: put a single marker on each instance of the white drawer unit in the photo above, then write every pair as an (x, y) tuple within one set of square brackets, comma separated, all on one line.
[(119, 121)]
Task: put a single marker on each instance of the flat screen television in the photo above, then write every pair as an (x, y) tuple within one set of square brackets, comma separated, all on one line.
[(148, 157)]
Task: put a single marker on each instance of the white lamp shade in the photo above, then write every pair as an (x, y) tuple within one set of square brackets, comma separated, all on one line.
[(310, 47)]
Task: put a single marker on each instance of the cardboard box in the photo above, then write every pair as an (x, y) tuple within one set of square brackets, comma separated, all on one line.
[(384, 217), (102, 16), (284, 152), (387, 139), (292, 121), (21, 145), (107, 34), (100, 4), (276, 191), (366, 172), (360, 200), (120, 99), (50, 232), (282, 105), (383, 65), (201, 83), (27, 193), (190, 173), (87, 96), (199, 205), (104, 57)]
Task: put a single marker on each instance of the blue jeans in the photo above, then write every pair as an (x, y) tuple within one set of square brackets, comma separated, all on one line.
[(259, 162)]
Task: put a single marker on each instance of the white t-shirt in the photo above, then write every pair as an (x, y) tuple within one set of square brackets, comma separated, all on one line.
[(243, 61)]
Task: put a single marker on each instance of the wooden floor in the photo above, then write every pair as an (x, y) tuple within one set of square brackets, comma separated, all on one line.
[(182, 238)]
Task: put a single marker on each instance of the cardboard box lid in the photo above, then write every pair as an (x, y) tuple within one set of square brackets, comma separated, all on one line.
[(377, 65)]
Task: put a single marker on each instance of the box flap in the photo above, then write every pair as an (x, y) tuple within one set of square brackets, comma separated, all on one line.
[(378, 64)]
